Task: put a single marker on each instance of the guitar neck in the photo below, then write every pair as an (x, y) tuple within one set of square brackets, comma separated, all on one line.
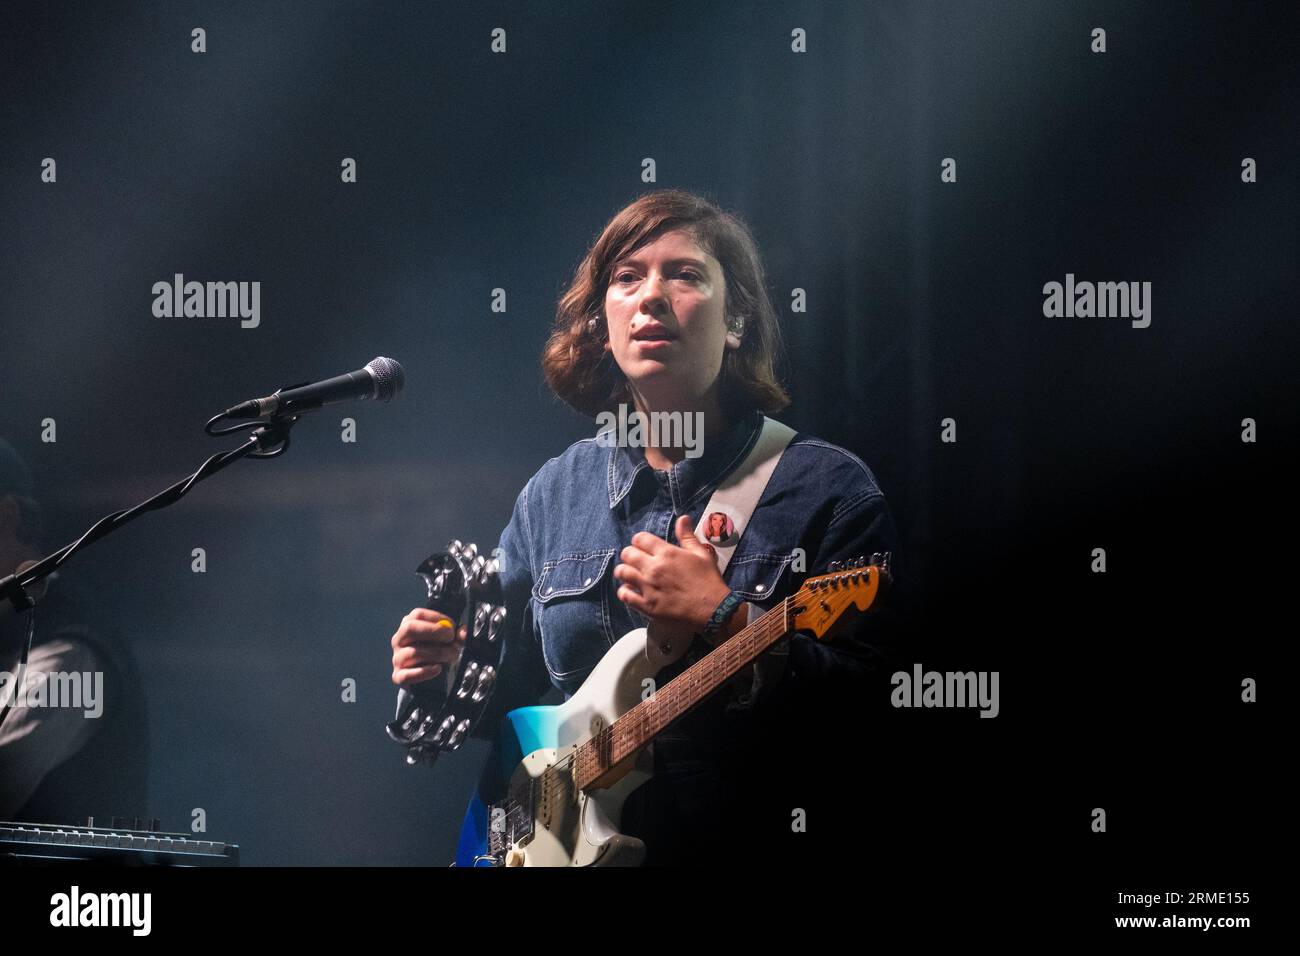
[(640, 725)]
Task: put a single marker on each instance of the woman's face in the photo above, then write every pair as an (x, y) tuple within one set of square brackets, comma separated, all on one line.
[(667, 329)]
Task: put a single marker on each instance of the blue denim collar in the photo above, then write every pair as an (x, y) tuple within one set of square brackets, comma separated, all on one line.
[(691, 476)]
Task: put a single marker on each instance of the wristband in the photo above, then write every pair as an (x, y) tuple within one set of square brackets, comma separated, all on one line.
[(721, 615)]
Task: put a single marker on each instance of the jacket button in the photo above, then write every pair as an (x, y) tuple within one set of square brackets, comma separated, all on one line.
[(760, 587), (586, 582), (549, 590)]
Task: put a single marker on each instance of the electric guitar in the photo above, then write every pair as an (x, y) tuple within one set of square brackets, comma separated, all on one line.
[(554, 786)]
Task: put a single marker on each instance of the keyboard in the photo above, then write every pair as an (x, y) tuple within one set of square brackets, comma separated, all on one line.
[(52, 843)]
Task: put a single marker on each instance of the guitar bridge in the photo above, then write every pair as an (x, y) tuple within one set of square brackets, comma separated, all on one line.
[(511, 821)]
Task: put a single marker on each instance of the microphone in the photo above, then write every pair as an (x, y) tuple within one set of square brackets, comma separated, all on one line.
[(381, 379)]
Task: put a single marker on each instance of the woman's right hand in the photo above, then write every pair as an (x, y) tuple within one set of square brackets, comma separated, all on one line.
[(424, 642)]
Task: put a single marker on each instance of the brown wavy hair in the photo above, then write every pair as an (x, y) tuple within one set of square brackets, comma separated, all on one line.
[(586, 377)]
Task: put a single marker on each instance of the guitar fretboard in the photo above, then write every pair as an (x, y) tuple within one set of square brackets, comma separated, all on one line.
[(640, 725)]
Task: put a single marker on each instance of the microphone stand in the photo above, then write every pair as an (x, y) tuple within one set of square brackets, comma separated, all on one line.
[(270, 440)]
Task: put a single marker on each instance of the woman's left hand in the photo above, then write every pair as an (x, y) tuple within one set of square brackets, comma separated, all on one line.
[(677, 586)]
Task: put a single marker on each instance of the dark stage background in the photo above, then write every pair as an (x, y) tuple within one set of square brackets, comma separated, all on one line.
[(479, 171)]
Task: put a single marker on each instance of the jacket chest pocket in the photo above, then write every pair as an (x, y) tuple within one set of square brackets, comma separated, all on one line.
[(572, 595), (758, 577)]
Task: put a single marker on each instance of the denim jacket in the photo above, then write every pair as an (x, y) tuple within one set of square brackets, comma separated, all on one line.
[(577, 513)]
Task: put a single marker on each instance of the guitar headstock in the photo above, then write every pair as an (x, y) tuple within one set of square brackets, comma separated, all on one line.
[(847, 587)]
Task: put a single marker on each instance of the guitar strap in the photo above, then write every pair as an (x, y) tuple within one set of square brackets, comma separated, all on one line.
[(737, 496), (734, 500)]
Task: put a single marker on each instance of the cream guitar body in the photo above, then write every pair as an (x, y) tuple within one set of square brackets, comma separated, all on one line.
[(572, 827)]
